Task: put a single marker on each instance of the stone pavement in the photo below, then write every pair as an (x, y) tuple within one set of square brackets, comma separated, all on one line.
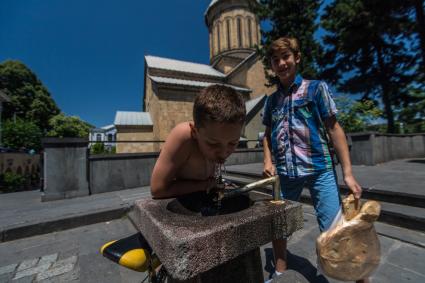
[(404, 176), (73, 256), (23, 214)]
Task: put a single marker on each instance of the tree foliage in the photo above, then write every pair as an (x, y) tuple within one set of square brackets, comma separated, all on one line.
[(68, 126), (293, 18), (21, 134), (355, 116), (369, 51), (30, 100)]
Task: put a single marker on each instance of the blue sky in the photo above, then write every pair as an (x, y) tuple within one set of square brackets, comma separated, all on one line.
[(90, 54)]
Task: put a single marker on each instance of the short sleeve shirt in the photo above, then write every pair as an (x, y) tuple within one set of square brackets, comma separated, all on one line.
[(298, 136)]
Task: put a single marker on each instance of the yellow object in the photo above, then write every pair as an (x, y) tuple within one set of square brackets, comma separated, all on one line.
[(132, 252), (137, 259), (106, 245)]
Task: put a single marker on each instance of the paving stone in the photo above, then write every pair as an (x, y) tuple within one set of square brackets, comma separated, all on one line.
[(27, 264), (48, 259), (60, 267), (26, 279), (31, 271), (392, 273), (69, 277), (6, 277), (8, 268), (408, 257)]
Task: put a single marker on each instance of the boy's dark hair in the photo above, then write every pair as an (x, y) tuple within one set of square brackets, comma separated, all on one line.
[(283, 43), (218, 103)]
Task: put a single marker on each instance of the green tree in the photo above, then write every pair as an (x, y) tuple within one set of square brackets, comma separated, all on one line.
[(21, 134), (30, 100), (356, 116), (98, 148), (68, 126), (369, 52), (293, 18)]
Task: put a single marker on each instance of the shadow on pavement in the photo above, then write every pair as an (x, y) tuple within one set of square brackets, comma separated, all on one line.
[(297, 263), (422, 161)]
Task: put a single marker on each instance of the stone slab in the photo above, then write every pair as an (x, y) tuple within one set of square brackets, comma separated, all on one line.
[(189, 245)]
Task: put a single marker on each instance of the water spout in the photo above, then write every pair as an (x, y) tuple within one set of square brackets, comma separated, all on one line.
[(274, 181)]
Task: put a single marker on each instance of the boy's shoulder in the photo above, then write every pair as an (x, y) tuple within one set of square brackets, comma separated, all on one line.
[(181, 132)]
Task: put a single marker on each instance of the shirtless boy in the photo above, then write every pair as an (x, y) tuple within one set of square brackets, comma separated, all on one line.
[(193, 150)]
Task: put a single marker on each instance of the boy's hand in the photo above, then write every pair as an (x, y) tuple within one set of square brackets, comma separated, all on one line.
[(352, 184), (269, 170)]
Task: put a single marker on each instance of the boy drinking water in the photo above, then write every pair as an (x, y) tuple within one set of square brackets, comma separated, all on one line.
[(193, 150), (299, 117)]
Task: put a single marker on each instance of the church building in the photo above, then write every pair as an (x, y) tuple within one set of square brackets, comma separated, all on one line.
[(170, 85)]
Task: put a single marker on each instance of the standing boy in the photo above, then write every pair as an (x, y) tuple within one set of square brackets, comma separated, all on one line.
[(193, 150), (299, 117)]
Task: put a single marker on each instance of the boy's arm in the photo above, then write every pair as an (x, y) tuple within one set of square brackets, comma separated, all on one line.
[(339, 141), (174, 154), (268, 169)]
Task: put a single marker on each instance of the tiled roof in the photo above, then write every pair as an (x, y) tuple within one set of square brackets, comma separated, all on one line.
[(172, 81), (213, 2), (181, 66), (108, 127), (129, 118)]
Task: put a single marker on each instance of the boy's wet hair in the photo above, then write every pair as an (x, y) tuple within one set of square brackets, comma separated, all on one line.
[(218, 103), (283, 43)]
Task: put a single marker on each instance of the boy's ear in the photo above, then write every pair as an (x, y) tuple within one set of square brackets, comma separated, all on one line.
[(193, 130), (298, 58)]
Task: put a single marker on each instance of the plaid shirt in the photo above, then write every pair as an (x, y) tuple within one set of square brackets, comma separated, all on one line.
[(298, 135)]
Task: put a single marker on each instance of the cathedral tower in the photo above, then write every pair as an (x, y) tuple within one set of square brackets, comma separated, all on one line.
[(234, 32)]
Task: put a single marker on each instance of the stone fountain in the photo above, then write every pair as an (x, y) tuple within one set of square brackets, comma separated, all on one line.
[(195, 247)]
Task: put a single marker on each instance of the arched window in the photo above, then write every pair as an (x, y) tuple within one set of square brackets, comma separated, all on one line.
[(218, 37), (256, 33), (98, 137), (228, 33), (250, 32), (239, 26)]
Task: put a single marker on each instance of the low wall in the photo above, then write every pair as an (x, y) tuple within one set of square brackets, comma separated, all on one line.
[(125, 171), (65, 168), (120, 171), (374, 148)]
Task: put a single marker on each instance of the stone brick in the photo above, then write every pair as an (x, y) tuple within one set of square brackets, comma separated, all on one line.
[(8, 268), (48, 259), (27, 264), (60, 267), (31, 271)]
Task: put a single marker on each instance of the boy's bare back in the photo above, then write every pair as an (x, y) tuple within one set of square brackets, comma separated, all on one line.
[(181, 158)]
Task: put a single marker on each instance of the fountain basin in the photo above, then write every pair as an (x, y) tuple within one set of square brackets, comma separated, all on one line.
[(189, 244)]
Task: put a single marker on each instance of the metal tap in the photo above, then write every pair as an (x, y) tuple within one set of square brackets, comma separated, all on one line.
[(274, 181)]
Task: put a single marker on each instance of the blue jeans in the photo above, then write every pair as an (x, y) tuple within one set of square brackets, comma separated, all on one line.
[(323, 188)]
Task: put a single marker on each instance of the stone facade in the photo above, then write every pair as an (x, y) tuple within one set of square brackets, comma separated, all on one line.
[(137, 134), (170, 90)]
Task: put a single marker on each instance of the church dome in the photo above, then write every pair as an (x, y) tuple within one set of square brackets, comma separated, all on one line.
[(233, 29)]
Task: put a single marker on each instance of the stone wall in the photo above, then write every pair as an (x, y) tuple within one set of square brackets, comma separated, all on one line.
[(374, 148), (139, 133), (252, 76), (120, 171), (253, 127), (126, 171), (65, 168), (174, 106), (19, 163)]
